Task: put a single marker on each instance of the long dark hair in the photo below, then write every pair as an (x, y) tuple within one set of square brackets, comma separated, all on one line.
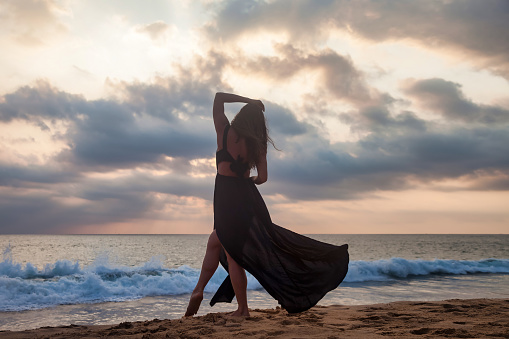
[(251, 125)]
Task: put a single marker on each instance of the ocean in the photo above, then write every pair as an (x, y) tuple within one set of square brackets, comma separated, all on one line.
[(52, 280)]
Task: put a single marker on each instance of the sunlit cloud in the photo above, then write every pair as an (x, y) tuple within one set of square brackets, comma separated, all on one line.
[(33, 23)]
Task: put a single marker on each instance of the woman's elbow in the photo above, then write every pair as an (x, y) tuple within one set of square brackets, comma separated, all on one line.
[(262, 179), (219, 96)]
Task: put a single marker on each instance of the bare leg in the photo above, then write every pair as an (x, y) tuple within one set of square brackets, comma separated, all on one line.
[(209, 266), (239, 282)]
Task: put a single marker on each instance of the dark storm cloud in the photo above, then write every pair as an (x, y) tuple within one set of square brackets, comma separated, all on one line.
[(474, 28), (283, 122), (42, 201), (379, 119), (395, 151), (18, 176), (42, 206), (111, 133), (43, 212), (440, 154), (41, 101), (388, 161), (446, 98)]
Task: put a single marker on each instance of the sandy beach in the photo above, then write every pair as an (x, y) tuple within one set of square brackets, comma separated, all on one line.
[(458, 318)]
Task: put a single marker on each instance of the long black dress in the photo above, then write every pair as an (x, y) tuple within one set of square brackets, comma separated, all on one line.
[(296, 270)]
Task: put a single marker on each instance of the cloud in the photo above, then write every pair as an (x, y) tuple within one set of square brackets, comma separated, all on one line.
[(42, 200), (46, 212), (395, 149), (338, 77), (155, 30), (41, 101), (398, 150), (341, 78), (490, 181), (313, 170), (32, 22), (468, 27), (473, 30), (446, 99), (299, 20), (146, 121), (107, 132), (283, 122), (27, 176), (134, 154), (379, 119)]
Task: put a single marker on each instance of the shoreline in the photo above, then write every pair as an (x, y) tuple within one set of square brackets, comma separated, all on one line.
[(464, 318)]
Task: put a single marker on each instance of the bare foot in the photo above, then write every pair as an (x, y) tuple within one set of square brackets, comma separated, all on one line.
[(194, 303), (239, 313)]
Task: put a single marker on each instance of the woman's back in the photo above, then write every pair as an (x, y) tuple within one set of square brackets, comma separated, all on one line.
[(236, 147)]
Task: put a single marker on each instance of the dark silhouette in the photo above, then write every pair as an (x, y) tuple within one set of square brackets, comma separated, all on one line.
[(296, 270)]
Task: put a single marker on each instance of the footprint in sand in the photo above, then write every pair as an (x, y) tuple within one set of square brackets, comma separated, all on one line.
[(290, 322), (312, 318), (206, 331), (421, 331), (276, 311), (451, 331), (274, 333)]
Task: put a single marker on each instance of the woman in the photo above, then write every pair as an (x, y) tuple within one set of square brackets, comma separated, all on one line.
[(296, 270)]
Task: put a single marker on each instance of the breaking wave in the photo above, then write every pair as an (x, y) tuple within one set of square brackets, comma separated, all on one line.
[(24, 287)]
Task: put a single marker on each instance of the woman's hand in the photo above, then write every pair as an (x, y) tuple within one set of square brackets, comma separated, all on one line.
[(259, 103)]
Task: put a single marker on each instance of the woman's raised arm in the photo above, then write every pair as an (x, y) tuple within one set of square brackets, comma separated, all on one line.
[(220, 119)]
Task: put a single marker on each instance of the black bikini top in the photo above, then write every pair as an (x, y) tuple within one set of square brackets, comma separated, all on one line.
[(237, 166)]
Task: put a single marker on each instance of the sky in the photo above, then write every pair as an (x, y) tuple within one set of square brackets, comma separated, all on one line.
[(391, 116)]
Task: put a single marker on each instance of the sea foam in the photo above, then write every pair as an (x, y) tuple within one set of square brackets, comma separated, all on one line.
[(24, 287)]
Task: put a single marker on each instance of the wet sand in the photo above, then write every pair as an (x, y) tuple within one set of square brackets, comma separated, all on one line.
[(458, 318)]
